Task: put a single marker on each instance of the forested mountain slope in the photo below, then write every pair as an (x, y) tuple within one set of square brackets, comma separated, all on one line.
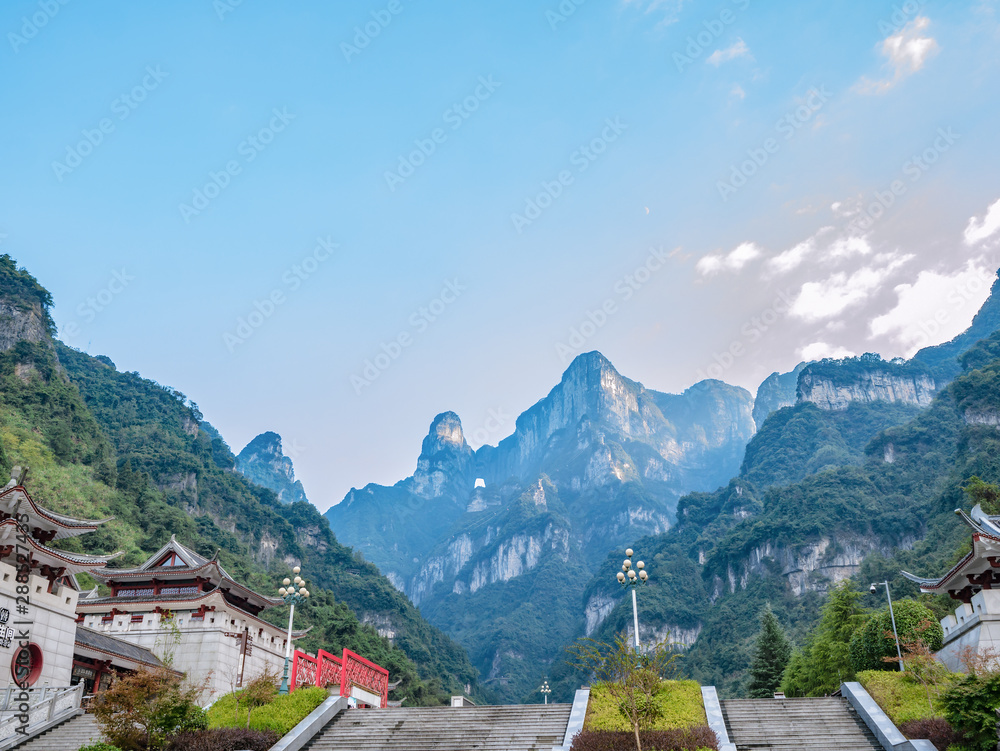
[(103, 443), (769, 537)]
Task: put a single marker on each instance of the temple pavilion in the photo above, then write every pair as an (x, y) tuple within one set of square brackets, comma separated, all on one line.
[(975, 583), (191, 613), (38, 589)]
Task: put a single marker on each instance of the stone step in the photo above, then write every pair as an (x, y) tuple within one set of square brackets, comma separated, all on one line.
[(71, 735), (786, 724)]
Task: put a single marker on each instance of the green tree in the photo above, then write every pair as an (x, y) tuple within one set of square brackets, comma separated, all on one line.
[(970, 707), (772, 653), (632, 678), (986, 494), (825, 662), (874, 641)]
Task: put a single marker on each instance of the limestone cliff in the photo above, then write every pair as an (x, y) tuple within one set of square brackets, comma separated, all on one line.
[(262, 461), (778, 390), (834, 384)]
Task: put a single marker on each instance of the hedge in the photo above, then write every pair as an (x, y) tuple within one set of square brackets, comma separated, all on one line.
[(680, 704), (281, 715)]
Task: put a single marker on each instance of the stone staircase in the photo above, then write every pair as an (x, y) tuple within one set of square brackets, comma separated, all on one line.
[(827, 724), (535, 727), (70, 735)]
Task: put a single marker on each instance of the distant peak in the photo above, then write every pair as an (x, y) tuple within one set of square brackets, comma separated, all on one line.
[(588, 362), (269, 442), (445, 433)]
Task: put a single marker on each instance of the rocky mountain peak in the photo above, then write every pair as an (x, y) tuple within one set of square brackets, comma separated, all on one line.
[(263, 462), (445, 435)]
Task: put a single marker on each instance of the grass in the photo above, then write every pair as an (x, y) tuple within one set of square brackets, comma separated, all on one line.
[(281, 715), (679, 701), (901, 697)]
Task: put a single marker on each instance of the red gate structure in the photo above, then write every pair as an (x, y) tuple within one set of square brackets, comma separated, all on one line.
[(304, 670), (330, 668), (357, 677)]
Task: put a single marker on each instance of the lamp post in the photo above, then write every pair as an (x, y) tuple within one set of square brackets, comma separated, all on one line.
[(292, 592), (628, 577), (892, 617), (545, 690)]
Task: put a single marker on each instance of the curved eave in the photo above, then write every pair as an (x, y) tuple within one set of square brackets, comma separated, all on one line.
[(113, 574), (67, 526), (73, 562)]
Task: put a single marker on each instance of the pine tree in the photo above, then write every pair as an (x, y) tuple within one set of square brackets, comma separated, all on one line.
[(825, 661), (771, 655)]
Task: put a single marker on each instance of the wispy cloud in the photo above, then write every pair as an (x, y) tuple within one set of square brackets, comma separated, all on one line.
[(980, 229), (840, 291), (735, 260), (737, 49), (820, 350), (906, 52)]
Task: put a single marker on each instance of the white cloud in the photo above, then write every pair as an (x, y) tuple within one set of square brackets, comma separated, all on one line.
[(906, 51), (845, 247), (737, 92), (935, 308), (840, 291), (739, 257), (737, 49), (980, 229), (794, 257), (820, 350)]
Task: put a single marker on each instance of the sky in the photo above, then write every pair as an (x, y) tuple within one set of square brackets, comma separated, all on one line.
[(337, 220)]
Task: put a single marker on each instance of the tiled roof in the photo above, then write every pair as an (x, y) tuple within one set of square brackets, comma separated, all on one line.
[(104, 643)]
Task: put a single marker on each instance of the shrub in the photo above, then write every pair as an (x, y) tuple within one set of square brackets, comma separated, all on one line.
[(901, 697), (874, 640), (969, 705), (935, 729), (690, 739), (141, 710), (100, 747), (224, 739), (281, 715), (679, 703)]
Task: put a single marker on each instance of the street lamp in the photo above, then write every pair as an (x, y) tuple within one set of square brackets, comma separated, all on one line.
[(545, 690), (292, 592), (628, 577), (872, 589)]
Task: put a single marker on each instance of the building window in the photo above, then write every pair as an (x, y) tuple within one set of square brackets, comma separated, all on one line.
[(172, 560), (26, 665), (138, 617)]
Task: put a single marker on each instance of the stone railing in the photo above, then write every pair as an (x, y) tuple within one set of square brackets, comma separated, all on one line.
[(35, 709)]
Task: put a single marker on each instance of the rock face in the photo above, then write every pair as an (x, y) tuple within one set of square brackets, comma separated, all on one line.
[(263, 462), (778, 390), (21, 323), (600, 461), (834, 384)]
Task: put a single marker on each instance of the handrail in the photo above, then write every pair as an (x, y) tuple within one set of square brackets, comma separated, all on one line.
[(52, 704)]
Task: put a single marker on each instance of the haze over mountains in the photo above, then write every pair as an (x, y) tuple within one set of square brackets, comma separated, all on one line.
[(499, 546)]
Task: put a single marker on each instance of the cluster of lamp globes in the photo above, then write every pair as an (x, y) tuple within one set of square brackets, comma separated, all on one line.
[(628, 574), (296, 586)]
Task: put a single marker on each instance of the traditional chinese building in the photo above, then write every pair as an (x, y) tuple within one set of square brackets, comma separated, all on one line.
[(38, 591), (190, 612), (975, 583)]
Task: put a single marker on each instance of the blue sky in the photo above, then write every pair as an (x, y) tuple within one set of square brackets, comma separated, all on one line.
[(252, 201)]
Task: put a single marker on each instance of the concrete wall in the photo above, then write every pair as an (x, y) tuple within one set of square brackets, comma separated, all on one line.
[(203, 651), (51, 625), (974, 626)]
